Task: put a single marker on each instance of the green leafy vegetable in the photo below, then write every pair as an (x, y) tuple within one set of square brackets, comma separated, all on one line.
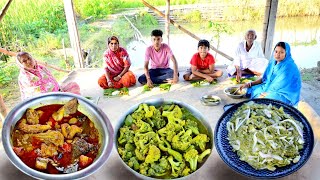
[(163, 142), (202, 83), (116, 92), (243, 80), (265, 136), (163, 87)]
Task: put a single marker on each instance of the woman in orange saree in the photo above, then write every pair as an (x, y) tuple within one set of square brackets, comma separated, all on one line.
[(117, 64)]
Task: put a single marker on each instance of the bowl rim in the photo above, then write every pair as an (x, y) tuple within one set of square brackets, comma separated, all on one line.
[(20, 109), (210, 103), (234, 95), (281, 171), (160, 101)]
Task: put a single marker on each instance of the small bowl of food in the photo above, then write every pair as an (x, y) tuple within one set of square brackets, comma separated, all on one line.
[(57, 136), (210, 100), (234, 92), (163, 139)]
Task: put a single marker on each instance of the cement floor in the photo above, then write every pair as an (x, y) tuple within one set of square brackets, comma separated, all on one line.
[(214, 168)]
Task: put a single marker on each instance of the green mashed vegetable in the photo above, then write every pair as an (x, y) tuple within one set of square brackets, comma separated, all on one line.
[(265, 136)]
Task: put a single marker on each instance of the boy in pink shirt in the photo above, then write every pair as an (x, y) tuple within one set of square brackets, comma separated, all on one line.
[(159, 55), (202, 64)]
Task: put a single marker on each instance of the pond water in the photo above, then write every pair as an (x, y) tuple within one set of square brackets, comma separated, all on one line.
[(302, 33)]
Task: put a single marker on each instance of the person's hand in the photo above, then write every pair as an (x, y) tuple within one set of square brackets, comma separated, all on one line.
[(246, 85), (243, 86), (238, 75), (149, 83), (209, 79), (238, 78), (117, 78), (263, 95), (110, 84), (175, 79)]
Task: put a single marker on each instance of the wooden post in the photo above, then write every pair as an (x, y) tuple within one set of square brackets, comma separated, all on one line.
[(73, 33), (268, 26), (4, 10), (167, 23), (3, 110), (185, 30)]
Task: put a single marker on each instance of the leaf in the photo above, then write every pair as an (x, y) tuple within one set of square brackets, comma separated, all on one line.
[(165, 87), (202, 83), (122, 91)]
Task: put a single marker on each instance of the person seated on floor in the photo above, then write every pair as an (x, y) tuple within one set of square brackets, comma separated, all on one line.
[(280, 81), (116, 65), (35, 79), (159, 55), (202, 64), (249, 59)]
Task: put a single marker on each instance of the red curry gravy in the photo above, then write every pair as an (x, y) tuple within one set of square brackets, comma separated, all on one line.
[(74, 154)]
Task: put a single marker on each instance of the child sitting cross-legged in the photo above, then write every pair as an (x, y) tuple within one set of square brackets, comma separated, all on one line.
[(202, 65)]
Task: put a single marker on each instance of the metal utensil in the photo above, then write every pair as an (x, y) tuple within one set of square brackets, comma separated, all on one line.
[(236, 91)]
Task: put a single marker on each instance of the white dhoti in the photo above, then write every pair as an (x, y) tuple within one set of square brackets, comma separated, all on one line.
[(257, 65)]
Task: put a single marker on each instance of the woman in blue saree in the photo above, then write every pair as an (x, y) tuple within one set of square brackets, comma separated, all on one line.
[(280, 81)]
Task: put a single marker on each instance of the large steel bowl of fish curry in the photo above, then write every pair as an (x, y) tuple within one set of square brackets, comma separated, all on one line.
[(264, 138), (163, 139), (57, 136)]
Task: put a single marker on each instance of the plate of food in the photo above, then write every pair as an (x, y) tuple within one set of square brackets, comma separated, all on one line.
[(264, 138), (210, 100)]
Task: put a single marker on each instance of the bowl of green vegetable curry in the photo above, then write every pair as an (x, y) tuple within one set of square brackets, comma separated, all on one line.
[(163, 139)]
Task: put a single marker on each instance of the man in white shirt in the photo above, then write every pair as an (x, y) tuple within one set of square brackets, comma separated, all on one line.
[(249, 58)]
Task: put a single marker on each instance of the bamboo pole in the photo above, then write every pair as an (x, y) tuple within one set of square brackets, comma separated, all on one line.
[(185, 30), (10, 53), (4, 9)]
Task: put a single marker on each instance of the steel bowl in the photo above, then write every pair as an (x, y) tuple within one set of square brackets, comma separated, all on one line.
[(158, 102), (229, 91), (210, 100), (97, 116)]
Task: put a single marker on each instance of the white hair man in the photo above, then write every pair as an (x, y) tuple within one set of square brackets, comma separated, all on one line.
[(249, 58)]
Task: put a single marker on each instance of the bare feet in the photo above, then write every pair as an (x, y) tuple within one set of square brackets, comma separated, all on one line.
[(186, 76)]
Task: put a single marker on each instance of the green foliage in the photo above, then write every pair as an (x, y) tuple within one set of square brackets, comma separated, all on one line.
[(123, 29), (305, 43), (144, 19), (193, 16), (252, 9), (8, 73), (26, 20), (95, 8), (218, 29)]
